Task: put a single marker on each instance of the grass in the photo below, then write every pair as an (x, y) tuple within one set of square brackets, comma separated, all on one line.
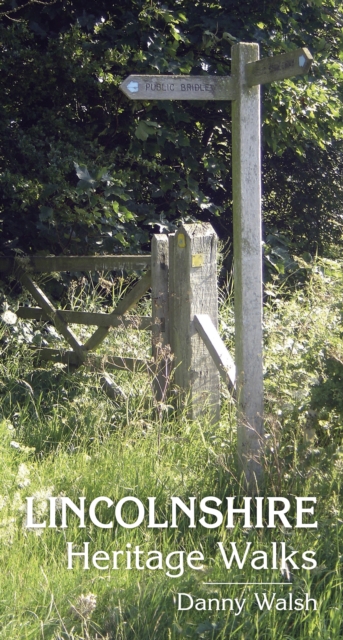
[(60, 435)]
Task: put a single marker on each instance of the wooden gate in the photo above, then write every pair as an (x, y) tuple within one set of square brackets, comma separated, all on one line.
[(80, 354), (183, 280)]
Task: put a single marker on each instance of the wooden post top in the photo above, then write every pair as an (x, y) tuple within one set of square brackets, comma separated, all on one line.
[(194, 229)]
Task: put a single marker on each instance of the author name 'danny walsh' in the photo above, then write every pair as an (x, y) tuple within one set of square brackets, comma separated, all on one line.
[(264, 602)]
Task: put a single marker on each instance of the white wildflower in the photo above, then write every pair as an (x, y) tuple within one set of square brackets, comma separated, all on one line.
[(23, 479), (17, 503), (7, 530), (21, 447), (84, 606)]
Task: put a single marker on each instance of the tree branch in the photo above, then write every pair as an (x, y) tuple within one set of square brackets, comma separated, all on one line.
[(6, 13)]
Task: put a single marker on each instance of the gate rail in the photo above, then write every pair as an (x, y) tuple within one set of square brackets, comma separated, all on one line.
[(182, 274), (22, 269)]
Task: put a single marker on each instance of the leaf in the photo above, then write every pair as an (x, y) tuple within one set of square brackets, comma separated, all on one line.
[(83, 173), (103, 175), (46, 213), (176, 33), (81, 212), (48, 190), (119, 236), (183, 140), (145, 129)]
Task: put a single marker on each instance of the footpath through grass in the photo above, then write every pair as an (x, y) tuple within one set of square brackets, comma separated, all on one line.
[(60, 435)]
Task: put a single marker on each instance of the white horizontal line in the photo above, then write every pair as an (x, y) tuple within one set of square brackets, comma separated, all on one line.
[(286, 584)]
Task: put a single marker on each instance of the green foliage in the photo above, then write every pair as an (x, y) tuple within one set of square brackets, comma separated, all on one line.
[(145, 165), (328, 393), (308, 217), (60, 435), (303, 355)]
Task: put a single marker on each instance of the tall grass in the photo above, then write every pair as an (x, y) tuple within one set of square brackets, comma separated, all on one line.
[(60, 435)]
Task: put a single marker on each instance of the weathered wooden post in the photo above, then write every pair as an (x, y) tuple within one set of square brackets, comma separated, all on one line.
[(193, 290), (246, 181), (243, 88), (160, 313)]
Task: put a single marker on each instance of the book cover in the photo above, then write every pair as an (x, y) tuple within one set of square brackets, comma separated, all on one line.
[(127, 510)]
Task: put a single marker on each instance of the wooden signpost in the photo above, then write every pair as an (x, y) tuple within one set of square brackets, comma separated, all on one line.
[(243, 88), (179, 88), (287, 65)]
